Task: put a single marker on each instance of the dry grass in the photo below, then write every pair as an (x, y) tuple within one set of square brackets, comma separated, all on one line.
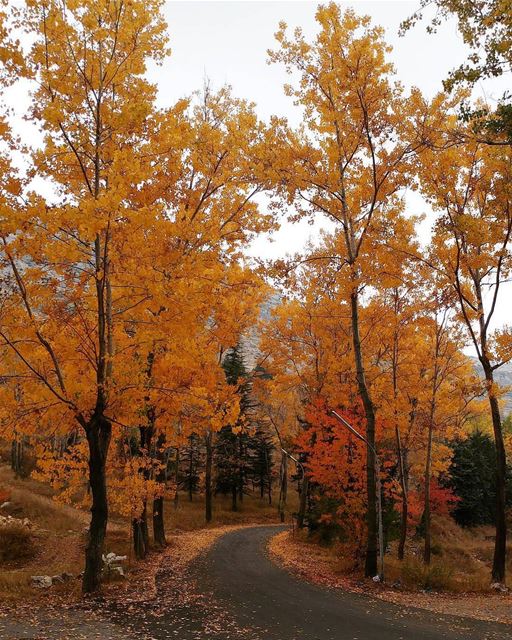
[(57, 534), (461, 560), (16, 544), (33, 500), (190, 515), (59, 531)]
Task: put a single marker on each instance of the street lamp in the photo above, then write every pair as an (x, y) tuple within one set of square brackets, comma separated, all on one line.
[(379, 496), (297, 462)]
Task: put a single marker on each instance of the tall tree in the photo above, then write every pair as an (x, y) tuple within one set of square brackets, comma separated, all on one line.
[(75, 264), (348, 162), (470, 187)]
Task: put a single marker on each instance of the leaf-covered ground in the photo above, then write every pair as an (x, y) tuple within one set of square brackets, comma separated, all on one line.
[(158, 601)]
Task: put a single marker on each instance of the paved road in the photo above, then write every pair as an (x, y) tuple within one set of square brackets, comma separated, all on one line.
[(258, 594), (236, 593)]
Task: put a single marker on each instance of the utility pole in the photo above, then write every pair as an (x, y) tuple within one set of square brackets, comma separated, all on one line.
[(347, 425)]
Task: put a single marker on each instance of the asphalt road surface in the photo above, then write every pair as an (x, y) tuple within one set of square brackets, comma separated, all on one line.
[(235, 592), (261, 596)]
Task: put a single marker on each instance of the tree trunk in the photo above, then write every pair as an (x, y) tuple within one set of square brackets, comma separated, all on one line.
[(158, 501), (283, 490), (191, 469), (140, 524), (158, 522), (241, 475), (16, 455), (500, 542), (98, 431), (139, 544), (426, 508), (177, 478), (301, 515), (234, 493), (208, 477), (372, 546), (144, 526), (405, 503), (269, 475)]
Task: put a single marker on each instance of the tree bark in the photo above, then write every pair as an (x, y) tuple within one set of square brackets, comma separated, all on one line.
[(283, 490), (208, 477), (158, 522), (158, 502), (303, 502), (191, 469), (98, 431), (177, 478), (500, 542), (140, 524), (17, 455), (139, 543), (241, 475), (427, 551), (234, 493), (372, 545), (402, 456)]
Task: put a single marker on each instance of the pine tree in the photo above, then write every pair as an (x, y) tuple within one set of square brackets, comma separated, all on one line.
[(260, 453), (472, 477), (191, 466)]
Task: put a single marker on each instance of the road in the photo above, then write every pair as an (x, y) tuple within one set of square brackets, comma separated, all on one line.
[(260, 595), (235, 592)]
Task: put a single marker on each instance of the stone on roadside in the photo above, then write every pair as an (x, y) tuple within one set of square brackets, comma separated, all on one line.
[(117, 572), (41, 582), (112, 558)]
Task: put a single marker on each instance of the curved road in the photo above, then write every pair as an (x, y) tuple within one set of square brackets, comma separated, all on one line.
[(235, 592), (275, 605)]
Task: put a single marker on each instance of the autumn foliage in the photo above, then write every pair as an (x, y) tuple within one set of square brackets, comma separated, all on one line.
[(126, 287)]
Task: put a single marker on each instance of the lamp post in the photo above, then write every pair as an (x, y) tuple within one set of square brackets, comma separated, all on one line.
[(297, 462), (379, 491)]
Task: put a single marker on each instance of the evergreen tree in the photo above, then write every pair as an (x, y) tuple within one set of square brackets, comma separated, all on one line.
[(231, 445), (472, 478), (260, 451), (191, 465)]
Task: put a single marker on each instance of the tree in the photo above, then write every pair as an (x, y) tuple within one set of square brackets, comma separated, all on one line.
[(470, 186), (472, 478), (335, 463), (260, 453), (486, 28), (446, 375), (348, 162), (74, 256), (232, 440)]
